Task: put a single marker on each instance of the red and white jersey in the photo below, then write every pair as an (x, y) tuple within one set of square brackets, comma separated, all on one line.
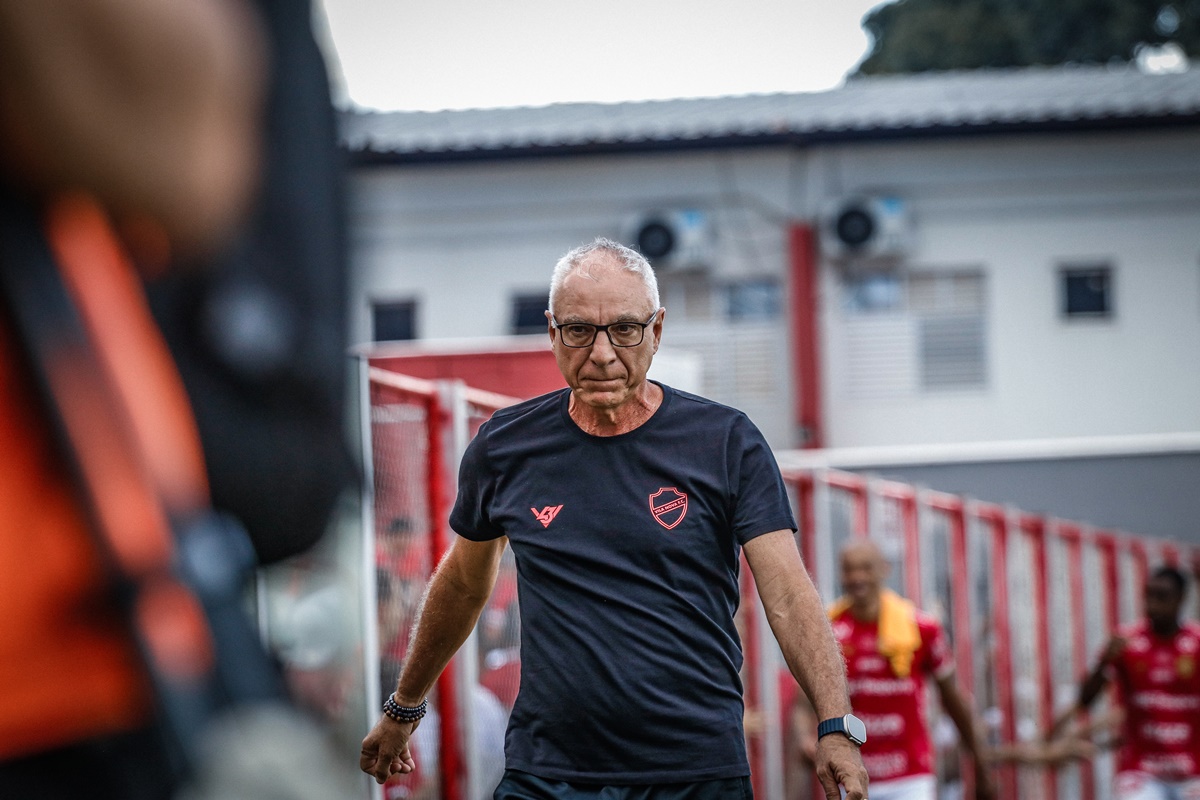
[(1159, 686), (892, 707)]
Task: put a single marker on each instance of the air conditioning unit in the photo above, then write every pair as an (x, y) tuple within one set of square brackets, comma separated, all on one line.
[(675, 239), (867, 229)]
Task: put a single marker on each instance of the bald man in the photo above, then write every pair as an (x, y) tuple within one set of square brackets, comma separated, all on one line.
[(890, 649), (628, 505)]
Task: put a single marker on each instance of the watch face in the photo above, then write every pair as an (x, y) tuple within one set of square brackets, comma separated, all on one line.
[(855, 729)]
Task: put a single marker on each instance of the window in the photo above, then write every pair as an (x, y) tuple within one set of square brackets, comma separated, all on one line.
[(1086, 291), (529, 313), (754, 301), (394, 321), (913, 332), (948, 309)]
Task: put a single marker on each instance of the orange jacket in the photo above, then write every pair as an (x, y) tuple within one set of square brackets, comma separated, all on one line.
[(68, 669)]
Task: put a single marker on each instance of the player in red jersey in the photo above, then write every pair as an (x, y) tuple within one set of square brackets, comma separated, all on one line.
[(890, 649), (1153, 664)]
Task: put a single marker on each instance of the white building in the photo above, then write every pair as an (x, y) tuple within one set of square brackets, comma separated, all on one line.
[(1026, 296)]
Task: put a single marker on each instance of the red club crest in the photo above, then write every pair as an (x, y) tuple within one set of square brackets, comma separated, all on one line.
[(669, 506)]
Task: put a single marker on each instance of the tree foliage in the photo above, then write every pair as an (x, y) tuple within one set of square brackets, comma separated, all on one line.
[(920, 35)]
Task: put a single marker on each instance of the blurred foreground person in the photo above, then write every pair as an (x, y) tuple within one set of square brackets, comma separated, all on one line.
[(627, 504), (1153, 664), (131, 143), (890, 649)]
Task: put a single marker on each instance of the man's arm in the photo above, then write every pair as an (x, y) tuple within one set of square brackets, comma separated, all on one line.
[(798, 620), (960, 713), (1091, 687), (456, 595)]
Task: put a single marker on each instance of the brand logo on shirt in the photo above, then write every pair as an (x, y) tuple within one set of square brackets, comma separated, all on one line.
[(546, 515), (669, 506)]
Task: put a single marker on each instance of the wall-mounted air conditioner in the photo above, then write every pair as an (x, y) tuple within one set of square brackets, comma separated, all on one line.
[(867, 228), (675, 239)]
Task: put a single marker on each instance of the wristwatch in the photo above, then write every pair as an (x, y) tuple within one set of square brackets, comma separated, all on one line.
[(850, 725)]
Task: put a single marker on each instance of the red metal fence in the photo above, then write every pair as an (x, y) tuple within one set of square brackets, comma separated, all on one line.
[(1027, 600)]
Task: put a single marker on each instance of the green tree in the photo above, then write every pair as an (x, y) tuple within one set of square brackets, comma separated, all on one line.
[(920, 35)]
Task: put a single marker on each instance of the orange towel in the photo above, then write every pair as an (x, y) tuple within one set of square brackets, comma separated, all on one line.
[(899, 636)]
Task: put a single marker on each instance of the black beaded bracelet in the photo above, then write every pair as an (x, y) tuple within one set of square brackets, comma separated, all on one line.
[(403, 713)]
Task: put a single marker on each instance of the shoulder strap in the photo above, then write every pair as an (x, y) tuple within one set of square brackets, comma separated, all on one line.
[(179, 568)]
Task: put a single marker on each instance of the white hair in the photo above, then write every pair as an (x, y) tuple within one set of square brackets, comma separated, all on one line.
[(627, 258)]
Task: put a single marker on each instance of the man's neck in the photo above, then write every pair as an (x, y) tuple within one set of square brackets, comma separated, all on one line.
[(866, 610), (623, 418), (1165, 629)]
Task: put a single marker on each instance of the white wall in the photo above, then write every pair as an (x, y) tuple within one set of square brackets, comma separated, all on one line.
[(463, 238), (1018, 209)]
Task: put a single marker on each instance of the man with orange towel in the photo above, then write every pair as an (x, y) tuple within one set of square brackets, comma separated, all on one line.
[(890, 648)]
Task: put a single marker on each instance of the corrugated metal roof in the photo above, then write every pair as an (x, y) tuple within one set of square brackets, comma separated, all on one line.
[(909, 105)]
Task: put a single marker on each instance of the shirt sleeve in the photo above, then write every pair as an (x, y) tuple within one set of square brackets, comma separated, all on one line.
[(470, 517), (939, 659), (760, 502)]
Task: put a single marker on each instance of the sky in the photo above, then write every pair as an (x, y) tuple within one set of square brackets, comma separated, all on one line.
[(427, 55)]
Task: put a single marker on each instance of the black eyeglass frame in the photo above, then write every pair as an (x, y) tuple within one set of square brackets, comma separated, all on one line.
[(597, 328)]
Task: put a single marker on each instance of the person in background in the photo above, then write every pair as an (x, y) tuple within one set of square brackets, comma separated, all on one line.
[(169, 179), (627, 504), (890, 649), (1153, 664), (152, 110)]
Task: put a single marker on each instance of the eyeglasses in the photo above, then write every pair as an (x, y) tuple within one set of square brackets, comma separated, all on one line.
[(620, 334)]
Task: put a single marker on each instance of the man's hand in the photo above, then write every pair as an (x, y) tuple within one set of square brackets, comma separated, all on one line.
[(386, 751), (839, 763)]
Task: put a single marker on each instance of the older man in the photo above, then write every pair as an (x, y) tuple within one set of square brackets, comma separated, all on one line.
[(890, 649), (627, 504)]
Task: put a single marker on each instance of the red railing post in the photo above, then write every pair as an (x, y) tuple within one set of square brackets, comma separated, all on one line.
[(912, 546), (806, 340), (1072, 537), (998, 522), (1035, 528)]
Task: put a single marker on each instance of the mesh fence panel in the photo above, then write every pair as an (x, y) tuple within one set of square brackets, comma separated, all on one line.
[(403, 557), (888, 530), (1129, 586), (401, 433)]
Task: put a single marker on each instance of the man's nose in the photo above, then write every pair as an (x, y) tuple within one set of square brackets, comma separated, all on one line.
[(602, 348)]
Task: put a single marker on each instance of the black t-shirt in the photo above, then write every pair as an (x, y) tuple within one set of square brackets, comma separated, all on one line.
[(627, 553)]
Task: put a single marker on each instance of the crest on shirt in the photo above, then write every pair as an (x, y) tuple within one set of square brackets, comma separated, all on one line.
[(669, 506), (547, 514), (1186, 666)]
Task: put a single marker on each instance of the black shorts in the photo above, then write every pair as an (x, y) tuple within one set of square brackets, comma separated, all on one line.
[(516, 785)]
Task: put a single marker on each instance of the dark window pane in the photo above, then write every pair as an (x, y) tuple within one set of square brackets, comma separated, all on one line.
[(755, 301), (394, 322), (529, 313), (1087, 292)]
